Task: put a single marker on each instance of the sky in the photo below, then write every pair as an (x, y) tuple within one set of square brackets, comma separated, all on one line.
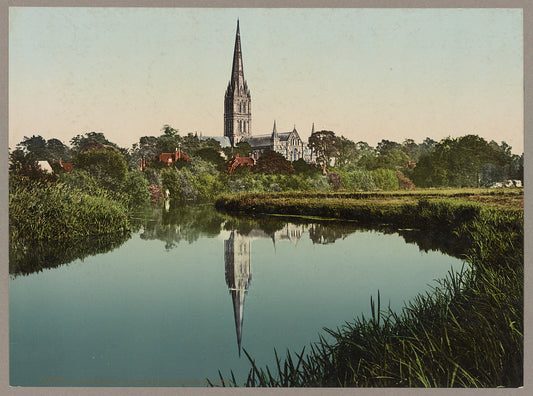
[(366, 74)]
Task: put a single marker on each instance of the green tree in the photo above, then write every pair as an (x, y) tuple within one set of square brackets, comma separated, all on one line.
[(170, 182), (78, 141), (326, 146), (56, 150), (348, 153), (36, 145), (136, 188), (272, 162), (303, 168), (107, 166), (385, 179), (467, 161), (213, 156)]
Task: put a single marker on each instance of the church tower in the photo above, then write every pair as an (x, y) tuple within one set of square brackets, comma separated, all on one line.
[(237, 101)]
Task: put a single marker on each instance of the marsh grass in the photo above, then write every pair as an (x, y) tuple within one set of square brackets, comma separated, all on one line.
[(49, 211), (466, 331)]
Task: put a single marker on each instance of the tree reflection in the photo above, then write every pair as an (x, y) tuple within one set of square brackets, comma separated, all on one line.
[(182, 223), (29, 257)]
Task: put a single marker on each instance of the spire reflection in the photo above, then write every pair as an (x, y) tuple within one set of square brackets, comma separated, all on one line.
[(237, 252)]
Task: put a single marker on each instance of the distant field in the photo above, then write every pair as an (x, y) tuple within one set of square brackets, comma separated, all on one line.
[(366, 205)]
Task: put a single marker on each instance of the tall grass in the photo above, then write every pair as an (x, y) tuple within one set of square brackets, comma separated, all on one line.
[(48, 211), (467, 331)]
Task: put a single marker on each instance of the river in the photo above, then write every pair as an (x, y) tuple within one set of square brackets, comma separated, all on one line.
[(192, 289)]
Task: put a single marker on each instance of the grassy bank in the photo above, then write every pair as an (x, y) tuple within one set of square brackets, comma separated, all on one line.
[(49, 211), (466, 332)]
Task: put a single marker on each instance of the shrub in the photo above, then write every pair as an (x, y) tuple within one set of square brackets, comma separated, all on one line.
[(335, 180), (272, 162), (358, 179), (109, 167), (136, 188), (170, 182), (404, 182), (385, 179)]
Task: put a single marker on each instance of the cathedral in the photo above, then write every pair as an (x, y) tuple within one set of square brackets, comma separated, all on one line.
[(238, 118)]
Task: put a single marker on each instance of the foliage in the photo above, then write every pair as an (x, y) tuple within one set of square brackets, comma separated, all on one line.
[(25, 164), (43, 210), (271, 163), (385, 179), (404, 182), (358, 179), (155, 193), (170, 182), (468, 161), (303, 168), (349, 153), (136, 188), (335, 180), (213, 156), (152, 175), (42, 150), (326, 146), (78, 141), (107, 166)]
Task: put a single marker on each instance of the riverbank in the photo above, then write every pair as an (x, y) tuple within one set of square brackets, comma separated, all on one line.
[(45, 210), (467, 332)]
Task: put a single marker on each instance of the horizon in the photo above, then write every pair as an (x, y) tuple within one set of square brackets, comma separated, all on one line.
[(366, 74)]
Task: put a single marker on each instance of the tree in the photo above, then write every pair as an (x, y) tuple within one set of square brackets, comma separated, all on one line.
[(36, 145), (56, 150), (78, 141), (326, 146), (348, 154), (272, 162), (213, 156), (410, 148), (136, 188), (467, 161), (303, 168), (107, 166), (386, 146), (25, 164), (426, 147)]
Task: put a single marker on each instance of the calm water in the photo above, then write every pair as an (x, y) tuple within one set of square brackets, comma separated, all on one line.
[(181, 298)]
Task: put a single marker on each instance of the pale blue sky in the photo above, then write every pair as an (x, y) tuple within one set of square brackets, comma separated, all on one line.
[(367, 74)]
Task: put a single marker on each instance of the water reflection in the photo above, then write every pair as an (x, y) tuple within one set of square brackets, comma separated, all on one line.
[(188, 223), (237, 260), (238, 276), (28, 257)]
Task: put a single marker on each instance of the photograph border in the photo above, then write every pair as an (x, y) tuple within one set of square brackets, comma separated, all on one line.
[(526, 5)]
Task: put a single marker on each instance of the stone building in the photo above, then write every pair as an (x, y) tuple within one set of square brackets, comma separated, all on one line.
[(238, 118), (237, 101)]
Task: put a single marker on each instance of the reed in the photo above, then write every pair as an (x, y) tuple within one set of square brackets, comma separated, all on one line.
[(48, 211), (467, 331)]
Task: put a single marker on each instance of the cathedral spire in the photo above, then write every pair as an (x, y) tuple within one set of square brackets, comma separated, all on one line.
[(274, 131), (237, 101), (313, 129), (237, 72)]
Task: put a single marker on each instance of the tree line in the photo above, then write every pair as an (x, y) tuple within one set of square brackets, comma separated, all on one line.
[(467, 161)]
